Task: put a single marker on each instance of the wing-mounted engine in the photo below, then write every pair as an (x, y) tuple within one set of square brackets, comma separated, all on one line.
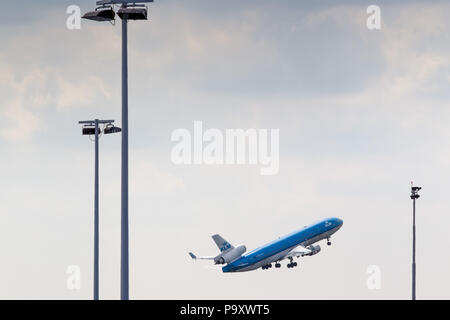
[(314, 250), (231, 255)]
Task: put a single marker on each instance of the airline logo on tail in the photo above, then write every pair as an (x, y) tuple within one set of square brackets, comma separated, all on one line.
[(225, 246), (221, 243)]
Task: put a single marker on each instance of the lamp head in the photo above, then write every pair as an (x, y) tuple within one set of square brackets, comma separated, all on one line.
[(89, 130), (100, 14), (111, 129), (414, 192), (132, 13)]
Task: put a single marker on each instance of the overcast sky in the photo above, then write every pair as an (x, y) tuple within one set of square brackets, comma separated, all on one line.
[(361, 113)]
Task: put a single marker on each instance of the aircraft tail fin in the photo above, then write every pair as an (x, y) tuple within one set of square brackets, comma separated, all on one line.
[(222, 244)]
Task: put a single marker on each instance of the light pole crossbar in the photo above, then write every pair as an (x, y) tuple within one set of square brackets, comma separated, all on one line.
[(107, 2), (92, 122)]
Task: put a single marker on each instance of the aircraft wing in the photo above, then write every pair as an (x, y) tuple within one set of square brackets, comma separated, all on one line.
[(299, 251), (193, 256)]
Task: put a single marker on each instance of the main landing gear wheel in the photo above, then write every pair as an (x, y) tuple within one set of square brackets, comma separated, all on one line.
[(277, 265), (292, 265)]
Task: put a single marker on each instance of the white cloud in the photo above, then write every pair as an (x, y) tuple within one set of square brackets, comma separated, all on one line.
[(24, 122), (79, 93)]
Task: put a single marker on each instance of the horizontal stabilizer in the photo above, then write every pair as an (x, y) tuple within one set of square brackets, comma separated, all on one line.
[(193, 256)]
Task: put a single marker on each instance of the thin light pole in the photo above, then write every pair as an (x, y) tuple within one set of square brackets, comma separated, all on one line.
[(414, 252), (91, 127), (96, 217), (124, 293), (414, 196)]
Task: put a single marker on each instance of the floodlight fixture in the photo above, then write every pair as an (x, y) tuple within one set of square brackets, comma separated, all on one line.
[(414, 192), (111, 129), (89, 131), (103, 13), (133, 13)]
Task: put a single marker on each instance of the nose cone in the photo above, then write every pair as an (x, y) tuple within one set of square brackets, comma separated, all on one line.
[(339, 222)]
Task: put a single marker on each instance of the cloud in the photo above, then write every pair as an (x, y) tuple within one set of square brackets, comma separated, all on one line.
[(25, 99), (360, 113), (415, 51), (55, 78), (82, 93), (21, 122), (24, 123)]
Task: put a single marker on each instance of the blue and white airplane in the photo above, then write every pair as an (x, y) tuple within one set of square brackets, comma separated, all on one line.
[(293, 245)]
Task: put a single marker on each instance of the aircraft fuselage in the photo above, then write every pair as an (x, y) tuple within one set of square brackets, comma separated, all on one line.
[(277, 249)]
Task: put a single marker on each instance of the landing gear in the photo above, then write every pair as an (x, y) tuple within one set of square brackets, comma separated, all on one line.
[(267, 266), (291, 264), (328, 242)]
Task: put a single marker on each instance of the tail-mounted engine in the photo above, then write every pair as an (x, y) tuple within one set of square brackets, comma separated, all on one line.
[(231, 255)]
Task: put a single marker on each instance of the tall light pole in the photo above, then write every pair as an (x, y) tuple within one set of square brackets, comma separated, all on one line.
[(91, 127), (129, 10), (124, 258), (414, 195)]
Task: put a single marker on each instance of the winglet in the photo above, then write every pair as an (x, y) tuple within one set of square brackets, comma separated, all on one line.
[(192, 255)]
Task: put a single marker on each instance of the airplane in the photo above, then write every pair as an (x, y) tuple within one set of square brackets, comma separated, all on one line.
[(294, 245)]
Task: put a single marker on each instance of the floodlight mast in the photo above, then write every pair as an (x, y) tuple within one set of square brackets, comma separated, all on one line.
[(125, 15), (414, 195), (96, 217), (124, 257), (95, 123)]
